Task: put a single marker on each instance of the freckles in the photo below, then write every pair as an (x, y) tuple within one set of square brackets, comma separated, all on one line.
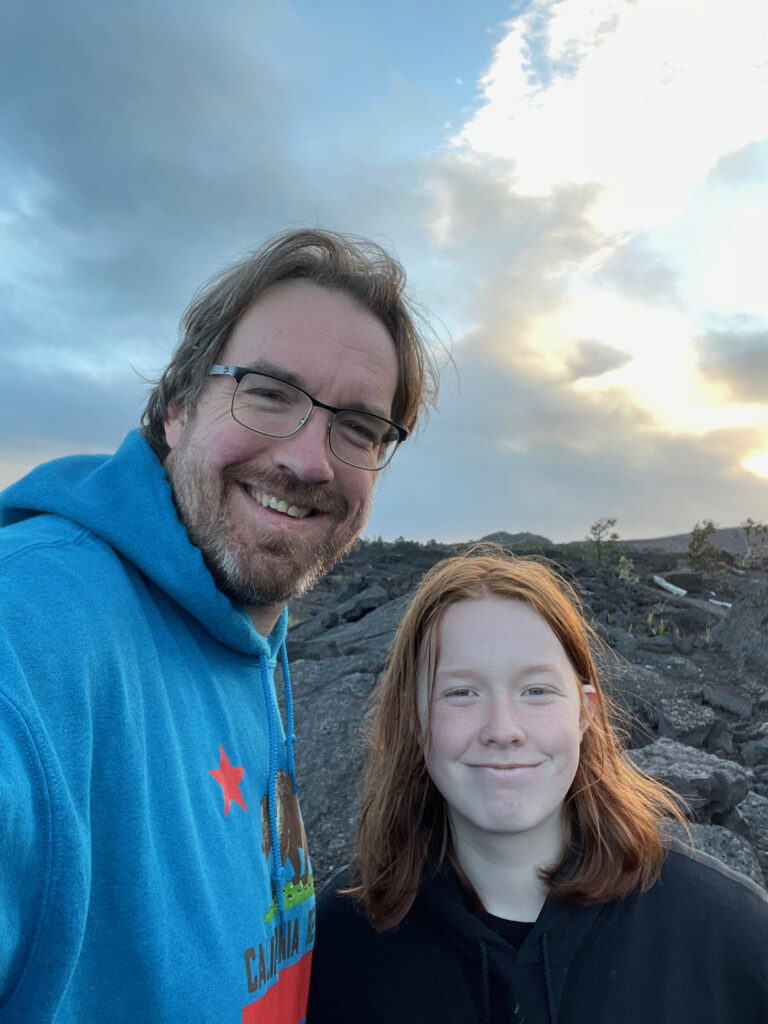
[(449, 735)]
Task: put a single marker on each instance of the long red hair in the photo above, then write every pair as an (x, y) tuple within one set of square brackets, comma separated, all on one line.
[(612, 810)]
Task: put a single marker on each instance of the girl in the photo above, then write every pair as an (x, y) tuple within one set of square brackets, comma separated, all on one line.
[(511, 863)]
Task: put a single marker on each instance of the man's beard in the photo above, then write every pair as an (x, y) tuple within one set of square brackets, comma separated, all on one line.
[(256, 569)]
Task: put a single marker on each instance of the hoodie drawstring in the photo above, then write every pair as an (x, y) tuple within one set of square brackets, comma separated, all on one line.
[(277, 858), (290, 735), (485, 983), (548, 978)]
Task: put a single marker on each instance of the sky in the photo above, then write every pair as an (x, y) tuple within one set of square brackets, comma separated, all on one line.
[(578, 191)]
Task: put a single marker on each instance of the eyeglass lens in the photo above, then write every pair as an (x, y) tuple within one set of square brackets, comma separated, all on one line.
[(278, 409)]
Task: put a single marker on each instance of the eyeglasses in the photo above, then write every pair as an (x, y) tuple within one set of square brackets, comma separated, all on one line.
[(271, 406)]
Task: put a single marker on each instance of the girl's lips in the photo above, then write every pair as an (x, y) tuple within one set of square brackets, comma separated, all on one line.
[(505, 769)]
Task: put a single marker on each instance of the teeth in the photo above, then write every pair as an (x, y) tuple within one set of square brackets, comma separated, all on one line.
[(279, 505)]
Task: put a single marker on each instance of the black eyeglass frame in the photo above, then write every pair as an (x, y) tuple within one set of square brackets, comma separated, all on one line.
[(238, 372)]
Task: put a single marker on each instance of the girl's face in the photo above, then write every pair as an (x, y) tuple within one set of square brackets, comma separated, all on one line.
[(506, 720)]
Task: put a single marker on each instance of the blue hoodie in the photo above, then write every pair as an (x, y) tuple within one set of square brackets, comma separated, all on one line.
[(153, 865)]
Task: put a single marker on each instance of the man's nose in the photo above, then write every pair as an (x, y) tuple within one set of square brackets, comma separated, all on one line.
[(503, 725), (307, 453)]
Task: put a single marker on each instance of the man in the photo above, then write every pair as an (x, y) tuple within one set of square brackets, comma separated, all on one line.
[(152, 859)]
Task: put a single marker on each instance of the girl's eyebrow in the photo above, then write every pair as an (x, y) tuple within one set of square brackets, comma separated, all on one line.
[(471, 671), (456, 673), (545, 666)]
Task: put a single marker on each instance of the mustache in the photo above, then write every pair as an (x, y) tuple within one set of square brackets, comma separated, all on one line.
[(285, 485)]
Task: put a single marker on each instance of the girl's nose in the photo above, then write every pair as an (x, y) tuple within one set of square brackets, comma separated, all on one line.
[(503, 725)]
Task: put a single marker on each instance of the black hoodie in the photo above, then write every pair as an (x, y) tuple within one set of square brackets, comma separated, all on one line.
[(692, 950)]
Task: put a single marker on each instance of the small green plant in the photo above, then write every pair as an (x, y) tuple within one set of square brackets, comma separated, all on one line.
[(601, 534), (701, 555), (755, 535), (654, 626), (625, 569)]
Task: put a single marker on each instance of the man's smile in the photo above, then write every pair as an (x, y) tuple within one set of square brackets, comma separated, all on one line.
[(279, 504)]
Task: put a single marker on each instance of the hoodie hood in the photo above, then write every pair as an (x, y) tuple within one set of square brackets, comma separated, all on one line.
[(125, 499)]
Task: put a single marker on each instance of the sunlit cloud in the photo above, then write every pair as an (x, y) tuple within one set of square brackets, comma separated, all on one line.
[(621, 100), (757, 464), (643, 98), (584, 213)]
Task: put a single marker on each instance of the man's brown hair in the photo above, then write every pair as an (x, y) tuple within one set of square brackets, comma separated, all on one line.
[(354, 266)]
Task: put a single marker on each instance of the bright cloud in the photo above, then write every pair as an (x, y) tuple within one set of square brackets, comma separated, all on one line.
[(595, 218), (642, 106), (643, 98)]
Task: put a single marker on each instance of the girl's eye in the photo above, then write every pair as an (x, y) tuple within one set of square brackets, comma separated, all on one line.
[(536, 691)]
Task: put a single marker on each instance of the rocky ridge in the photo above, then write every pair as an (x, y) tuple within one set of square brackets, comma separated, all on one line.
[(689, 669)]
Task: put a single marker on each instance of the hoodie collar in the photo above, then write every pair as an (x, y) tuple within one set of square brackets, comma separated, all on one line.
[(126, 500)]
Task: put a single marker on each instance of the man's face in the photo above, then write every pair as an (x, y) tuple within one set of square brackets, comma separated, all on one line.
[(225, 477)]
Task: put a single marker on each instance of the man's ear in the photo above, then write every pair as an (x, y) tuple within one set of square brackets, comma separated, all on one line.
[(589, 702), (175, 422)]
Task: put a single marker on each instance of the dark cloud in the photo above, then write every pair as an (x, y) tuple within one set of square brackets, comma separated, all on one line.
[(74, 409), (504, 256), (143, 146), (515, 453), (593, 358), (140, 147), (739, 360), (638, 271), (146, 145)]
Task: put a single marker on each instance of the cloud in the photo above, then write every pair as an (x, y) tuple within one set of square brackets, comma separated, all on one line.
[(598, 92), (139, 149), (504, 255), (739, 361), (640, 272), (144, 148), (594, 358), (581, 108), (745, 166), (596, 217), (569, 214), (517, 452), (72, 408)]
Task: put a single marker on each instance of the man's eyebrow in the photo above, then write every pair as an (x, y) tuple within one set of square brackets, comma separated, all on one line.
[(265, 366), (292, 377)]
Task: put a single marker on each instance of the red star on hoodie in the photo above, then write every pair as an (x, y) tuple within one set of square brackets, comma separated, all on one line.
[(229, 777)]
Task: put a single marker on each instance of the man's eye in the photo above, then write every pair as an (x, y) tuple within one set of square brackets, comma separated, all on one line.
[(360, 431), (266, 396)]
